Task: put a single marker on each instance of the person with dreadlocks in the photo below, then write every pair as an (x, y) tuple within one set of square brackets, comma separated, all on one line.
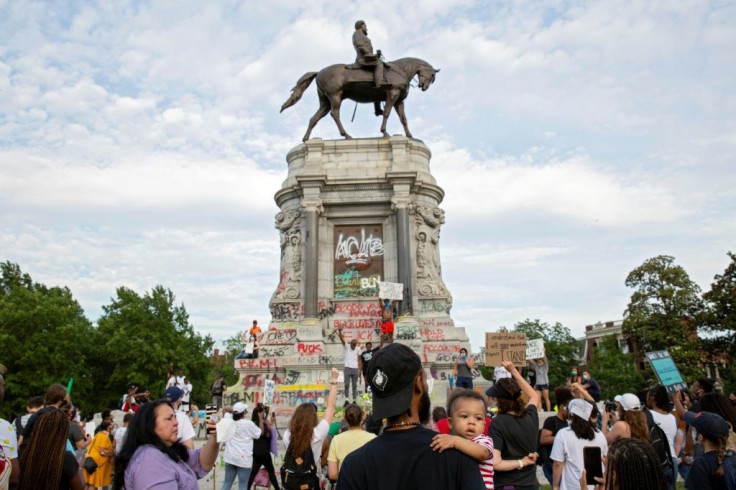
[(45, 462), (632, 464), (715, 467)]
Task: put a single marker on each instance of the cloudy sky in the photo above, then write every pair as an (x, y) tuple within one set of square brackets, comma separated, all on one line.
[(141, 144)]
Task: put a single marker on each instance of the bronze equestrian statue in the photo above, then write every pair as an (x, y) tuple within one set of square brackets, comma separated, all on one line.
[(363, 82)]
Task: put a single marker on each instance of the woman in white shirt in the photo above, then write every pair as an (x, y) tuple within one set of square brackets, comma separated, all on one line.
[(239, 449), (567, 450)]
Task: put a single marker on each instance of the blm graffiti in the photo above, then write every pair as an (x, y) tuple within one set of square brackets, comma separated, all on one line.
[(358, 260)]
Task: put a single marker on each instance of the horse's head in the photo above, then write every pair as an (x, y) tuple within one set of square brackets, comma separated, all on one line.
[(426, 77)]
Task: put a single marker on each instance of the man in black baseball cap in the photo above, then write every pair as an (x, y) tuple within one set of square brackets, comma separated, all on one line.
[(402, 457)]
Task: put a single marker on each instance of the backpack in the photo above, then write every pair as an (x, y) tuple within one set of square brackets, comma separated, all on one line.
[(658, 440), (299, 473)]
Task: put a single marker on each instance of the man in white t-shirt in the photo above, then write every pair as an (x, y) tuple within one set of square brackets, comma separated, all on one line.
[(352, 351), (180, 379), (186, 431), (171, 381), (187, 388)]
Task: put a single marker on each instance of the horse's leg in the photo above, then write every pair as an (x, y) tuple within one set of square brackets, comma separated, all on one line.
[(324, 108), (391, 97), (402, 116), (335, 102)]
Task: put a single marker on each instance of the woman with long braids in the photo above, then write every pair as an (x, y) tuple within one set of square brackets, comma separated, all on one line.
[(153, 456), (514, 431), (633, 465), (305, 430), (567, 450), (45, 463), (262, 447), (711, 470), (632, 422)]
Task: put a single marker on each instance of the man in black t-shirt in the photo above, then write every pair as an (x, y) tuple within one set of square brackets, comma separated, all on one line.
[(402, 457), (365, 357)]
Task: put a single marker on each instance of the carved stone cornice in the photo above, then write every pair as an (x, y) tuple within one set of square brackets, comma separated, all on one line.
[(313, 204)]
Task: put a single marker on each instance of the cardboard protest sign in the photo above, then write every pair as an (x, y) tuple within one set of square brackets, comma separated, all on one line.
[(666, 371), (505, 346), (535, 349), (269, 386), (391, 290)]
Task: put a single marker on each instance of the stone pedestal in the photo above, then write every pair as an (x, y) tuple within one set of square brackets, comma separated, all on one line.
[(353, 213)]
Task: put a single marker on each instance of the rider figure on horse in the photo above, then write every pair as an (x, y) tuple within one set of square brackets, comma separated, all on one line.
[(364, 53)]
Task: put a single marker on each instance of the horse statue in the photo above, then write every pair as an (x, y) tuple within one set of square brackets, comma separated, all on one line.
[(336, 83)]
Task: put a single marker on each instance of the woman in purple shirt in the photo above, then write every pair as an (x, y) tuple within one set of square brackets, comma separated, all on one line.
[(153, 456)]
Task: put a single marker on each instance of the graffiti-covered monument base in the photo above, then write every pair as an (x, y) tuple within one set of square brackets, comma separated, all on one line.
[(353, 213)]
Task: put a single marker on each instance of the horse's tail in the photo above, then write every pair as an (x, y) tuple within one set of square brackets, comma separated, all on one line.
[(298, 90)]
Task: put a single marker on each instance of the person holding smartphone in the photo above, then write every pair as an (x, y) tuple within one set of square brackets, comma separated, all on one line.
[(571, 443)]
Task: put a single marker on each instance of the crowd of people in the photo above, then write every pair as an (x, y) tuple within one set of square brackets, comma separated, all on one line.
[(646, 441)]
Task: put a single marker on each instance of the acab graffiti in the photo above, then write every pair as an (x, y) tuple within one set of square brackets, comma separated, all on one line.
[(358, 252)]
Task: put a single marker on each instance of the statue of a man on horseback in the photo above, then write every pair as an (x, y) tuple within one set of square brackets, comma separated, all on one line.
[(338, 82), (364, 53)]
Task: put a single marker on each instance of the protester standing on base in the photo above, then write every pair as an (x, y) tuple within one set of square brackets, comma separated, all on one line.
[(352, 352)]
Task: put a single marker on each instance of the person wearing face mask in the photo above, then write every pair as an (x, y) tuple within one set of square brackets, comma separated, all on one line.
[(591, 386), (574, 378), (552, 425)]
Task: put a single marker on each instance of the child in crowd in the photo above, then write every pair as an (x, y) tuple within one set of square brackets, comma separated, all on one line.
[(467, 418)]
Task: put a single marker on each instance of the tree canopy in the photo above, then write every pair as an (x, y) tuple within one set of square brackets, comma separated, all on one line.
[(560, 347), (720, 315), (616, 372), (664, 311), (143, 336), (47, 339)]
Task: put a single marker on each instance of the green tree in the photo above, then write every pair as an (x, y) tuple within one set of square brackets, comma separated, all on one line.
[(143, 336), (615, 371), (45, 339), (720, 316), (560, 347), (664, 311)]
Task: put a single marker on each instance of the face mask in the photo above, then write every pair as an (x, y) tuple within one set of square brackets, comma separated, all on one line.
[(585, 376), (574, 373)]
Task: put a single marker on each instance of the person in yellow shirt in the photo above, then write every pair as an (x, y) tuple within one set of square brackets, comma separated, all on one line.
[(348, 441)]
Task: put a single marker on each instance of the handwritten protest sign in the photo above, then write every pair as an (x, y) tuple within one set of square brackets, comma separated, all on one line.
[(269, 386), (505, 346), (535, 349), (391, 290)]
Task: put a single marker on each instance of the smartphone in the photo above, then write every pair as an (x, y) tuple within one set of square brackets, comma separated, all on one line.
[(592, 463), (214, 418)]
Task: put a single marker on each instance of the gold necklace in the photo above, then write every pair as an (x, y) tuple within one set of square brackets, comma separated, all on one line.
[(402, 424)]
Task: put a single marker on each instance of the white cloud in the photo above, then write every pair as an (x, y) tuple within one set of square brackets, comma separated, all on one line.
[(141, 144)]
